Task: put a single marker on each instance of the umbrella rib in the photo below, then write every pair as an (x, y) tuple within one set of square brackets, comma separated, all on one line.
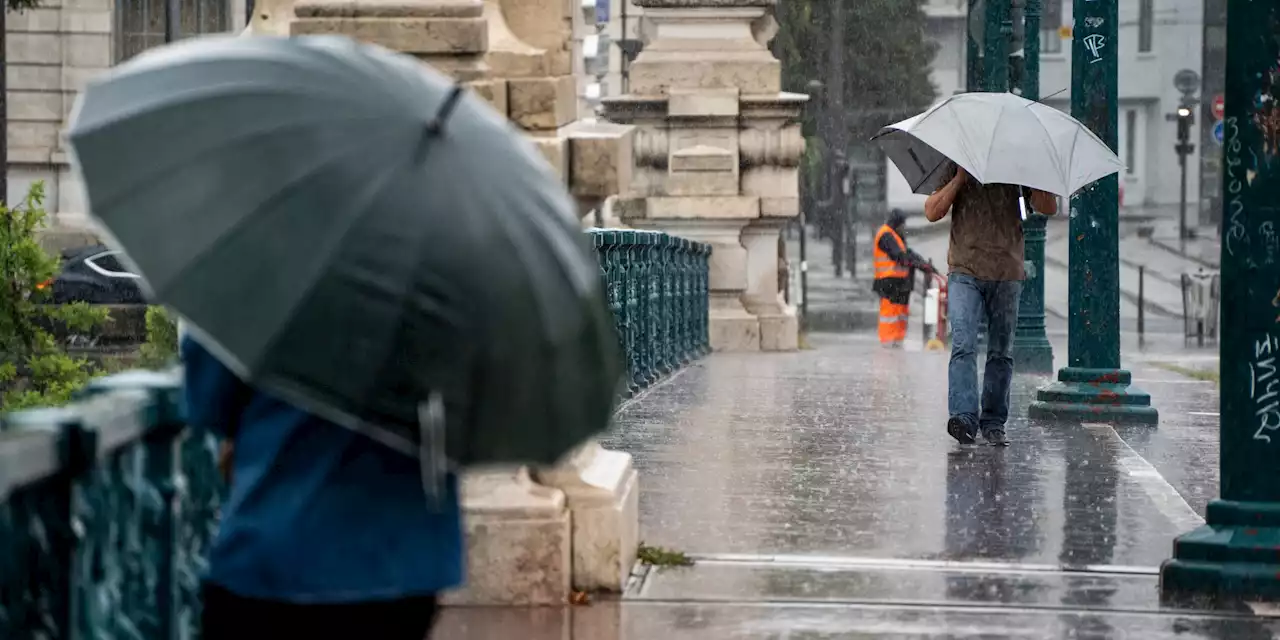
[(991, 145)]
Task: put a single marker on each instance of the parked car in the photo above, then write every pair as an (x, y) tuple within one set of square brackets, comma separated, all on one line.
[(95, 275)]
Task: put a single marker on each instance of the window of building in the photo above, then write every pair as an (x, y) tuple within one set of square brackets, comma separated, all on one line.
[(1146, 26), (1050, 23), (140, 24)]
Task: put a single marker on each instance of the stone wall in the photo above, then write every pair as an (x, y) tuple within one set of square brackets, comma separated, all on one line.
[(52, 51)]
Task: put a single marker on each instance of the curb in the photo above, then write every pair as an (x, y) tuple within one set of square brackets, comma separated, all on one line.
[(1178, 252)]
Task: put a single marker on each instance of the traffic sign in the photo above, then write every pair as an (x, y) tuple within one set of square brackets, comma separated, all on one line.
[(1218, 132), (1219, 107), (1186, 81)]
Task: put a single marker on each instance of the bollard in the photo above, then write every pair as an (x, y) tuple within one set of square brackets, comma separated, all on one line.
[(1142, 307)]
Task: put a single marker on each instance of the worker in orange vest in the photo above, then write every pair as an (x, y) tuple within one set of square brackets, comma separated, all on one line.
[(894, 263)]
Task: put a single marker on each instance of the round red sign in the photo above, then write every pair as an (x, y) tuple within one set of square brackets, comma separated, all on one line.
[(1219, 107)]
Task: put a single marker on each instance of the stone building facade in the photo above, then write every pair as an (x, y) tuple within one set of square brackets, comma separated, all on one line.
[(53, 50)]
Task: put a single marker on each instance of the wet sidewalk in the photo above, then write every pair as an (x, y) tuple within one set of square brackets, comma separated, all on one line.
[(823, 499)]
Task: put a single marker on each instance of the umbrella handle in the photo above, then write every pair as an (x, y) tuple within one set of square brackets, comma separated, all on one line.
[(432, 460)]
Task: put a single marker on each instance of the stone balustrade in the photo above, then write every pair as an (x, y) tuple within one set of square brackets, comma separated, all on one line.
[(108, 506)]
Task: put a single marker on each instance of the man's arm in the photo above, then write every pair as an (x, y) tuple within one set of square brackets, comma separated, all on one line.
[(1044, 202), (939, 204)]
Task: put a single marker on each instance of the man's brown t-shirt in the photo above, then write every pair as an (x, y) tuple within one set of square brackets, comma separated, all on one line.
[(986, 232)]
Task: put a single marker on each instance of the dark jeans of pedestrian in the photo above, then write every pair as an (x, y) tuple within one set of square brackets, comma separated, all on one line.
[(969, 299), (227, 616)]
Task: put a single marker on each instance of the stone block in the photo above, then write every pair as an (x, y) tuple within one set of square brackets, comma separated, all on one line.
[(518, 537), (87, 50), (418, 36), (700, 184), (99, 21), (542, 103), (492, 91), (546, 24), (560, 63), (733, 331), (91, 5), (44, 106), (600, 156), (29, 155), (34, 135), (556, 150), (779, 207), (712, 207), (70, 191), (601, 487), (34, 48), (38, 20), (705, 102), (74, 79), (33, 77), (659, 74), (780, 332)]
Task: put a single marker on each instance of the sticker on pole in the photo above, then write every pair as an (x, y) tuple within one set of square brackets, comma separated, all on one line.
[(1219, 108), (1218, 132)]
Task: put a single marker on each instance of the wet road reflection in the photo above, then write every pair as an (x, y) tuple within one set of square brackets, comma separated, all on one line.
[(828, 502)]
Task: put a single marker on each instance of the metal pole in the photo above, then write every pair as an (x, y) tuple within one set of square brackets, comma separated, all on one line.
[(995, 46), (1142, 303), (172, 21), (1182, 202), (1092, 386), (973, 52), (839, 134), (804, 266), (1032, 352)]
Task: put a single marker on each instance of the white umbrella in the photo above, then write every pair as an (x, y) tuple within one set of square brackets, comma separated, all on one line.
[(999, 138)]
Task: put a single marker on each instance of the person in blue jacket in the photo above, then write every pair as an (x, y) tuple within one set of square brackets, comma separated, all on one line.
[(325, 532)]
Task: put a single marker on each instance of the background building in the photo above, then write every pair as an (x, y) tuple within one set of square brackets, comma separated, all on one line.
[(1157, 39), (53, 50)]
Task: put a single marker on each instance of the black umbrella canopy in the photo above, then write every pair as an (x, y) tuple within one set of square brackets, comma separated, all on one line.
[(349, 230)]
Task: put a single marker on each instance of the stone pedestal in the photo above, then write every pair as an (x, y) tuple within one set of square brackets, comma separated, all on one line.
[(529, 542), (717, 151), (601, 488), (519, 541)]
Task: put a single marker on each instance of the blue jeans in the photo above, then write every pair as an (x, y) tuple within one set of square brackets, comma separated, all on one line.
[(968, 300)]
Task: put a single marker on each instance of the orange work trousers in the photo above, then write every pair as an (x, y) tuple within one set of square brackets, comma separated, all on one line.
[(893, 322)]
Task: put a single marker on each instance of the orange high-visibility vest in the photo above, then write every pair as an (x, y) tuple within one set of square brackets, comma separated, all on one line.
[(887, 267)]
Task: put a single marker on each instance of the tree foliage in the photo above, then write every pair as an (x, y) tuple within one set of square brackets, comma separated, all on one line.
[(35, 368), (161, 348), (887, 59)]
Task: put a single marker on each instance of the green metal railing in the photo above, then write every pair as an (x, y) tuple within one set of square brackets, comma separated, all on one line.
[(107, 506), (106, 509), (657, 288)]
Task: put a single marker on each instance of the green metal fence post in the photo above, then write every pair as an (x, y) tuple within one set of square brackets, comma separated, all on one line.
[(1092, 386), (1032, 352), (1233, 557), (996, 30)]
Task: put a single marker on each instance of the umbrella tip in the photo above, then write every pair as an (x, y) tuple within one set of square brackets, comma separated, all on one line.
[(436, 126)]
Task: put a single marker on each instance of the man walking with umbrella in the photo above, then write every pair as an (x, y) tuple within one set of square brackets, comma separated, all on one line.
[(893, 269), (986, 264), (990, 160)]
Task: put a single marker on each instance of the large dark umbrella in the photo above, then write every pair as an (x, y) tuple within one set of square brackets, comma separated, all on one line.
[(346, 228)]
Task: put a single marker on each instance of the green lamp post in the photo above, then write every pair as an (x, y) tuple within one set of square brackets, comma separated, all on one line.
[(1032, 352), (1093, 386), (1234, 556)]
